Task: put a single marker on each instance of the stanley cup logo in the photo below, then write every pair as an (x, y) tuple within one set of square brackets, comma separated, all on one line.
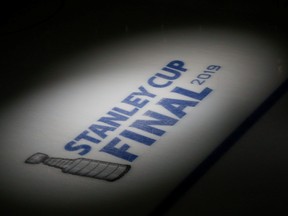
[(82, 166)]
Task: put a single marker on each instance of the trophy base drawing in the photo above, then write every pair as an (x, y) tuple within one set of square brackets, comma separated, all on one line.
[(82, 166)]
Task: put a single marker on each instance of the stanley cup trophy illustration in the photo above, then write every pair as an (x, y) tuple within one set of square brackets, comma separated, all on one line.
[(82, 166)]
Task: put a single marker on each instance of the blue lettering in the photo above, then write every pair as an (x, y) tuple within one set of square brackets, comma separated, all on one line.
[(137, 137), (157, 85), (119, 152), (125, 112), (177, 65), (71, 146), (144, 92), (176, 106), (84, 136), (111, 120), (175, 74), (191, 94), (154, 122), (101, 130), (161, 120), (213, 67), (137, 102)]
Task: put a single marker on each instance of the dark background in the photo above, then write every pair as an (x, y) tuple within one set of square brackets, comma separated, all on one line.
[(251, 177)]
